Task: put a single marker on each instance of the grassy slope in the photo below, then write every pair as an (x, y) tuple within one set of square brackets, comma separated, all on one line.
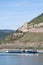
[(37, 20), (29, 37), (4, 34), (32, 37)]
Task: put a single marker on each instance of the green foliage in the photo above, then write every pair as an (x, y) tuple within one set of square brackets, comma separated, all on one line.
[(32, 37), (4, 35), (26, 37), (37, 20)]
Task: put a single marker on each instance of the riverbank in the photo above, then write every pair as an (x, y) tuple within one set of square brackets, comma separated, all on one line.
[(19, 48), (21, 45), (26, 51)]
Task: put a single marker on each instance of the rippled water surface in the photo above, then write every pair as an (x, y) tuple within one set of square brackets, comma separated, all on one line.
[(21, 59)]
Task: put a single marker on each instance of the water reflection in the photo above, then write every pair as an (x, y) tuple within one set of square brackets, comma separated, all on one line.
[(18, 59)]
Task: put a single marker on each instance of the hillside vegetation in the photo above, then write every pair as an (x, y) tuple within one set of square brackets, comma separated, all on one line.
[(28, 35), (37, 20), (34, 23), (32, 37), (4, 34)]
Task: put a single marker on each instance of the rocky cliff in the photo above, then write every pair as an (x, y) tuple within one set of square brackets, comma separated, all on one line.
[(29, 35), (35, 24)]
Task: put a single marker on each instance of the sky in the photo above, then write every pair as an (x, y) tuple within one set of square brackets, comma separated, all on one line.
[(14, 13)]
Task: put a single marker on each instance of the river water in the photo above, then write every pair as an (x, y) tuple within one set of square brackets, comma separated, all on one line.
[(21, 59)]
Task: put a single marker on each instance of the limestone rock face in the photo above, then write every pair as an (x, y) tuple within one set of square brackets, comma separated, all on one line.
[(29, 27), (41, 24), (24, 28), (34, 23)]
